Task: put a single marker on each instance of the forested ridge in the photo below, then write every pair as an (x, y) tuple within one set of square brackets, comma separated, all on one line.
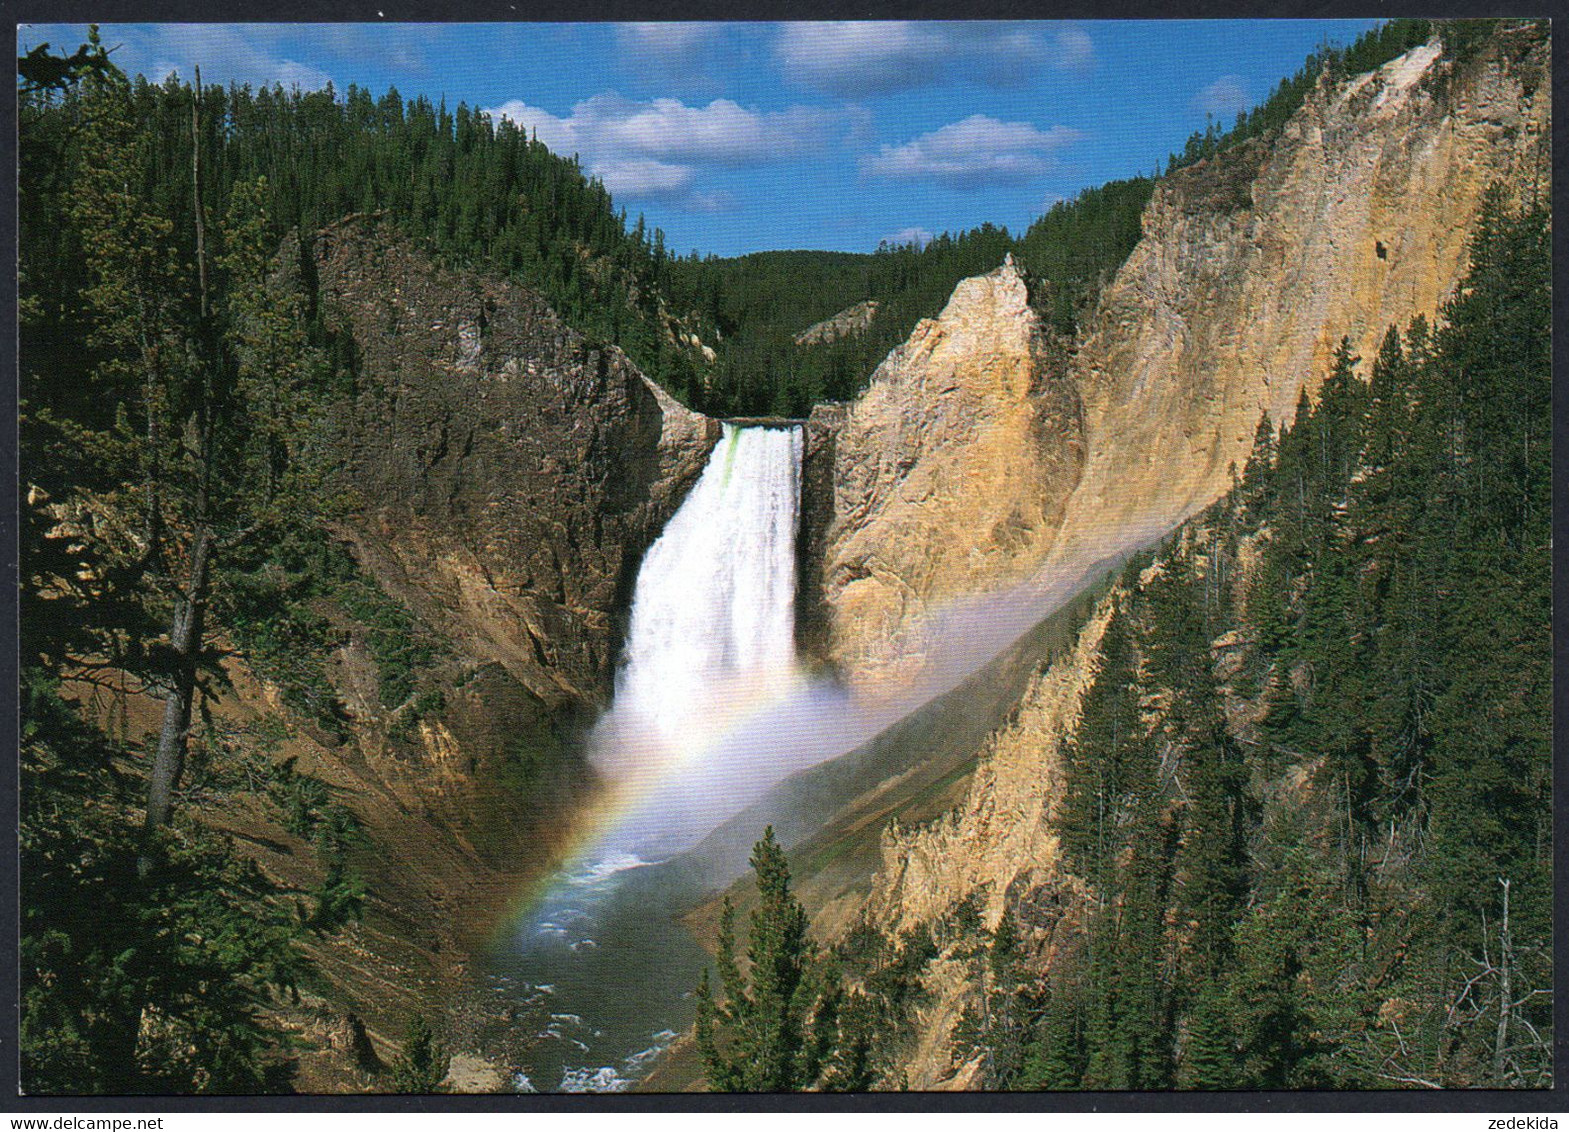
[(1305, 818), (1371, 50), (176, 382), (482, 193), (759, 303), (752, 306), (1306, 827)]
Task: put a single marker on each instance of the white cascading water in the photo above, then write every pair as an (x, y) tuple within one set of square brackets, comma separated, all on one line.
[(711, 637), (711, 710)]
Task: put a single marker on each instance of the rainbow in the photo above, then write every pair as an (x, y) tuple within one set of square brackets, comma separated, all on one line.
[(646, 771)]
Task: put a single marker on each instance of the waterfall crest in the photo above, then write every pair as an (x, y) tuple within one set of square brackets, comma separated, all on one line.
[(712, 630)]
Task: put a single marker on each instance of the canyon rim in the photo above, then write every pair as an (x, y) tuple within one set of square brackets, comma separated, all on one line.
[(469, 646)]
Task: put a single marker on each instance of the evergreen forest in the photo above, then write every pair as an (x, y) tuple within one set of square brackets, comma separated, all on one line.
[(1310, 790), (1307, 826), (1309, 794)]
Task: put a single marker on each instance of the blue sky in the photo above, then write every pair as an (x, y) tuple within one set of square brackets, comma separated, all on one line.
[(737, 137)]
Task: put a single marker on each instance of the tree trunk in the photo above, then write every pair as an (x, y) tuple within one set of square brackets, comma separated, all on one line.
[(1505, 1005), (185, 640), (185, 634), (196, 191)]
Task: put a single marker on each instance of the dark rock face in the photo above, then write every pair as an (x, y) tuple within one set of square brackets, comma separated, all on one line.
[(507, 473), (503, 478), (812, 616)]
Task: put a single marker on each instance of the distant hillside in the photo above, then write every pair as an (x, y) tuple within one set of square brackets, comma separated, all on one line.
[(752, 307), (758, 304)]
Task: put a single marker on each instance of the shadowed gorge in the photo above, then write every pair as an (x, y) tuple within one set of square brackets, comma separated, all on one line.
[(468, 647)]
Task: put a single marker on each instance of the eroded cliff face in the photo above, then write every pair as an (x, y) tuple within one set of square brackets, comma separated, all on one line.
[(509, 472), (948, 474), (1252, 266), (977, 457), (503, 478), (1003, 824), (998, 844)]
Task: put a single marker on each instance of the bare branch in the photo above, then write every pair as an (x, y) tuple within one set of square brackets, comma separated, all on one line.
[(1424, 1082)]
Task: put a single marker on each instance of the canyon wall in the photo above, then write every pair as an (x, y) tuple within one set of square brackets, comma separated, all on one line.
[(1252, 266), (500, 477), (982, 453), (507, 473), (1255, 263)]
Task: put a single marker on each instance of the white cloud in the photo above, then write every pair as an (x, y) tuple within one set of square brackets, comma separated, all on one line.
[(853, 59), (292, 74), (239, 53), (670, 47), (920, 237), (856, 58), (977, 151), (721, 132), (657, 180), (656, 147), (560, 134), (644, 177), (1224, 98), (1075, 50)]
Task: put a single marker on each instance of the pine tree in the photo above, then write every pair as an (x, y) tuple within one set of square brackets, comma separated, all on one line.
[(422, 1066), (1107, 763), (1054, 1059), (1255, 493), (777, 1024), (849, 1068), (1209, 1058)]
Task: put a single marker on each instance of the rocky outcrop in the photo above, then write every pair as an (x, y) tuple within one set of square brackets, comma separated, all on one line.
[(1003, 824), (977, 457), (1253, 265), (949, 473), (850, 321), (506, 472)]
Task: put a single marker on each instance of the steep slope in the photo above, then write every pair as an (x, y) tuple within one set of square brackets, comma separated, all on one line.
[(505, 476), (948, 473), (511, 472), (977, 457), (1003, 822), (831, 816), (1252, 265)]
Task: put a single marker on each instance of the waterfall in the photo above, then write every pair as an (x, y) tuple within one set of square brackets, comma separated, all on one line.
[(712, 631), (714, 607)]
